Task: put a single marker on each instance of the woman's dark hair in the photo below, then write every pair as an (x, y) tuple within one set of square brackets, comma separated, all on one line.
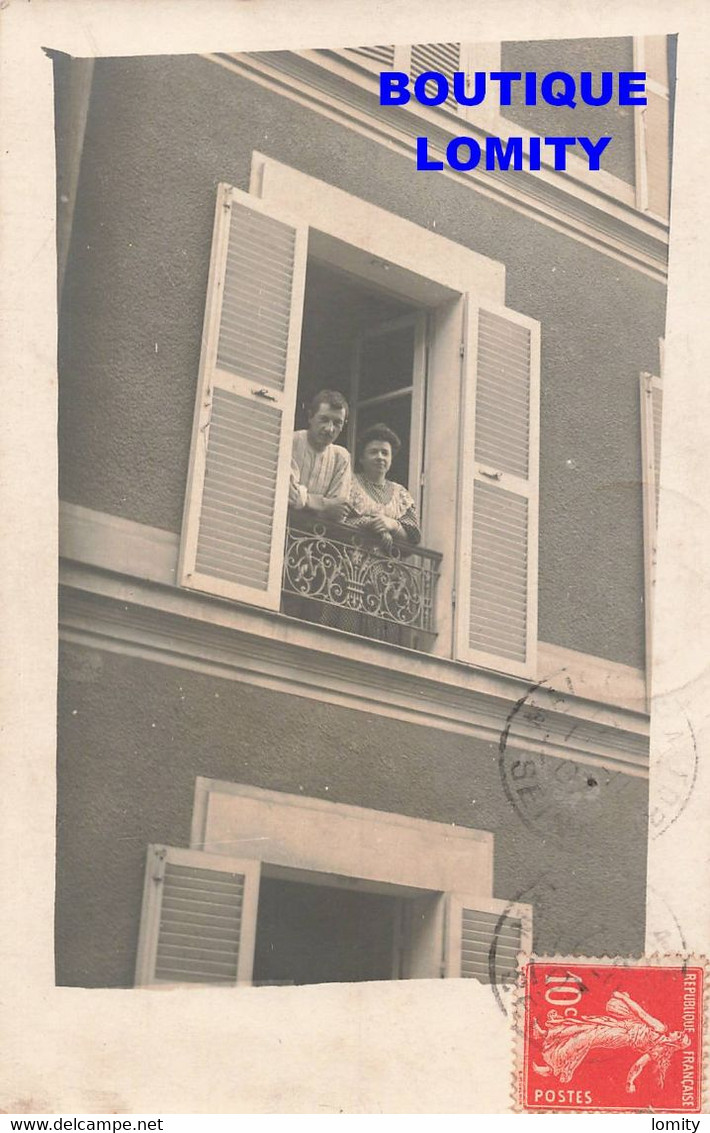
[(379, 432)]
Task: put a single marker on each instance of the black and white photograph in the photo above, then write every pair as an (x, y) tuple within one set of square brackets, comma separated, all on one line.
[(357, 482), (359, 485)]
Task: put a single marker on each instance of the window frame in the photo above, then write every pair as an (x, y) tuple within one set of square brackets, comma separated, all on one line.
[(386, 251), (391, 251)]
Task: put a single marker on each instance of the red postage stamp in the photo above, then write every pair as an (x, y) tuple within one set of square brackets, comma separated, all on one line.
[(620, 1036)]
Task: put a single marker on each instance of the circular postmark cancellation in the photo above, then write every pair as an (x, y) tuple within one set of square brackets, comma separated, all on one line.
[(674, 771), (563, 801), (502, 967), (610, 1035), (664, 932)]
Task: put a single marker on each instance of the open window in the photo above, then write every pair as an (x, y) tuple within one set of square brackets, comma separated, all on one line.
[(208, 919), (334, 893), (369, 344), (311, 288)]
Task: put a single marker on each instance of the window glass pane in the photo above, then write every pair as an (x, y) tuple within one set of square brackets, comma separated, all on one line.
[(397, 414), (386, 362)]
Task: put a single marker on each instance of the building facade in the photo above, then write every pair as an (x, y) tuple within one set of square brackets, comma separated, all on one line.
[(285, 757)]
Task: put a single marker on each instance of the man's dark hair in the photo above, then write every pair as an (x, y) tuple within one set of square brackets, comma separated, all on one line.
[(379, 432), (330, 397)]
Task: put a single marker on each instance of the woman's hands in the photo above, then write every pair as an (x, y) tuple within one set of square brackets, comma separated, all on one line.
[(383, 525)]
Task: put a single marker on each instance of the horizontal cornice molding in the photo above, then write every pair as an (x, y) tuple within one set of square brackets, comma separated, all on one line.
[(118, 594), (331, 88)]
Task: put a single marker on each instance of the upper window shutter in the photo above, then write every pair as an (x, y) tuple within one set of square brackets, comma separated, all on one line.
[(441, 57), (496, 623), (656, 130), (377, 58), (237, 493), (651, 412), (198, 922), (652, 126), (484, 937)]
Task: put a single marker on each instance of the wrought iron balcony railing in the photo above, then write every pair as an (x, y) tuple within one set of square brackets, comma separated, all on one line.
[(337, 576)]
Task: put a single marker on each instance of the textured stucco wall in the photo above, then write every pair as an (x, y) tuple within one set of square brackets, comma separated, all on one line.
[(575, 55), (161, 134), (135, 734)]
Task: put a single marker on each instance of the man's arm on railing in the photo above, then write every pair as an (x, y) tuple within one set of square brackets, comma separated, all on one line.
[(332, 505)]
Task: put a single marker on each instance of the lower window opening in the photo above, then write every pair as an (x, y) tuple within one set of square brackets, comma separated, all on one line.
[(311, 934)]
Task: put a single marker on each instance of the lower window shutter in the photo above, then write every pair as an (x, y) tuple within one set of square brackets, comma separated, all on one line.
[(237, 494), (198, 921), (496, 620), (484, 938)]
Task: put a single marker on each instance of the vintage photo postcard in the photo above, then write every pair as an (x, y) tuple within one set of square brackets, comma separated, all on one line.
[(356, 548)]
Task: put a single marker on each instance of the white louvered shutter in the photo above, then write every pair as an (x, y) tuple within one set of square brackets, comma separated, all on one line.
[(496, 623), (484, 937), (377, 58), (441, 57), (652, 127), (237, 496), (651, 415), (656, 130), (198, 922)]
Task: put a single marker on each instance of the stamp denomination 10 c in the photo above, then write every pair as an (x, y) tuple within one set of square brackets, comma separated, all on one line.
[(611, 1035)]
